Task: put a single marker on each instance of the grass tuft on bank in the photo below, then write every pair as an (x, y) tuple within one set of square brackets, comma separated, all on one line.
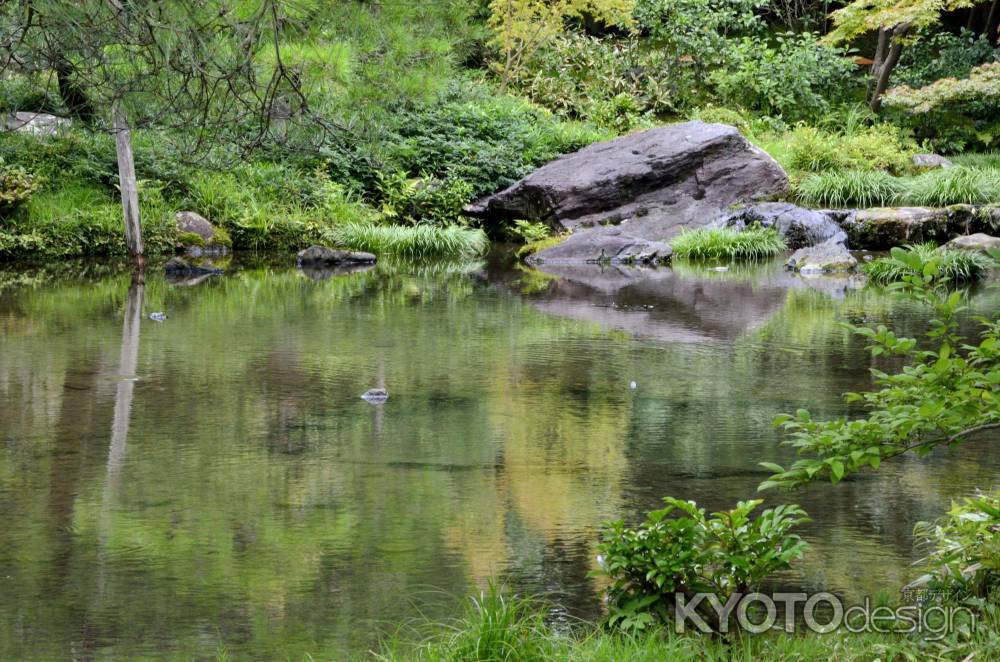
[(753, 243), (414, 242), (497, 628), (836, 188), (954, 266)]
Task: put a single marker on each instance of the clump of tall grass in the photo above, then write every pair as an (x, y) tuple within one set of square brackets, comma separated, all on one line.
[(977, 159), (494, 627), (840, 188), (754, 243), (954, 266), (415, 242), (957, 185)]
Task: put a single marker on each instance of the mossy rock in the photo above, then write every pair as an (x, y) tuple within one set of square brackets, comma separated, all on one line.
[(191, 239)]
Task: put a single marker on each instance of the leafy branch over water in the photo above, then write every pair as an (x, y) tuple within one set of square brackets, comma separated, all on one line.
[(941, 397)]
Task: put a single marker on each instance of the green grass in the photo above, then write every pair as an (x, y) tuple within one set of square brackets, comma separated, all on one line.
[(836, 188), (498, 628), (540, 245), (754, 243), (977, 159), (951, 186), (415, 242), (955, 266), (876, 188)]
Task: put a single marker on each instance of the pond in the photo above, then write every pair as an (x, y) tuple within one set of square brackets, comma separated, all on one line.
[(213, 482)]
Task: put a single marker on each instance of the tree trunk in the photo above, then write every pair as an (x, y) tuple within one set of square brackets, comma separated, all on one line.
[(886, 59), (129, 190), (72, 95), (991, 22)]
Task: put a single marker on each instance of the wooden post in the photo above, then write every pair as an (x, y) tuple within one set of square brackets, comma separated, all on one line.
[(129, 191)]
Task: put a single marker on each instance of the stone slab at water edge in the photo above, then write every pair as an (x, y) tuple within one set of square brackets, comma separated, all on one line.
[(974, 242), (651, 184), (321, 256)]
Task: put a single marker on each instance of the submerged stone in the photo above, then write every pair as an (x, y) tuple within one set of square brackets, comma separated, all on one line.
[(974, 242), (180, 268), (375, 395), (829, 257)]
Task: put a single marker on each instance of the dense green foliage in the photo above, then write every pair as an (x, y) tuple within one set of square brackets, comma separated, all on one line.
[(952, 114), (753, 243), (794, 77), (942, 395), (963, 547), (421, 241), (943, 55), (725, 553)]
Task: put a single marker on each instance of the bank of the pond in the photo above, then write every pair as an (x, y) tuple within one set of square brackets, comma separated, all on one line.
[(496, 627)]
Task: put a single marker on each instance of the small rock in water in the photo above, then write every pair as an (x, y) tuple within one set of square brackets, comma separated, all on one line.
[(158, 317), (720, 268), (375, 395), (632, 385)]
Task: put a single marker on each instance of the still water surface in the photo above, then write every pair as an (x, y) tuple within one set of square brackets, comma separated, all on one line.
[(215, 482)]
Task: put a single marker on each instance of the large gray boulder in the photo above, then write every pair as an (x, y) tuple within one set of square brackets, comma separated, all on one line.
[(39, 124), (931, 162), (652, 183), (797, 226)]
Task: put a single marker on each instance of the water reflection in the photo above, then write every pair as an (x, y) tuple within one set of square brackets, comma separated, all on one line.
[(263, 506)]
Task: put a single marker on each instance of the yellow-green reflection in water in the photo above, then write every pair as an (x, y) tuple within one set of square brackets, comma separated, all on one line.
[(232, 491)]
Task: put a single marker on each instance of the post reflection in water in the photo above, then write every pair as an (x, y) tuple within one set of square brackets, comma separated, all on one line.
[(250, 500)]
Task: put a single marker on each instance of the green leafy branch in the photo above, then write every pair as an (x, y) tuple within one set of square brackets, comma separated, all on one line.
[(940, 398)]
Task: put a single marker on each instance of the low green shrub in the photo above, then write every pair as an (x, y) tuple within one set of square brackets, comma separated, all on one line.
[(753, 243), (943, 55), (951, 186), (795, 77), (470, 133), (82, 220), (721, 115), (951, 115), (963, 547), (724, 553), (16, 187), (424, 200), (879, 147), (268, 206), (581, 77), (953, 266), (419, 241), (851, 188), (528, 231)]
